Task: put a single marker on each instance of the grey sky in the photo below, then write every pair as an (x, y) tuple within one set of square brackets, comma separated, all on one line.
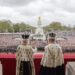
[(15, 3), (29, 10)]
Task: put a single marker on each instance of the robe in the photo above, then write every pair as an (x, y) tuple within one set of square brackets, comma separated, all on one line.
[(24, 54), (52, 62)]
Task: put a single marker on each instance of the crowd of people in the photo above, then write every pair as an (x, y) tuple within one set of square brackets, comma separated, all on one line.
[(9, 42)]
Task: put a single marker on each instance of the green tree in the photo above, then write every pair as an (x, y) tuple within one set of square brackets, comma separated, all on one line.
[(5, 26), (53, 26), (16, 27), (56, 26), (8, 26)]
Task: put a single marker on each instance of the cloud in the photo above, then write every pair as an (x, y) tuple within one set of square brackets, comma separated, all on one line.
[(15, 2), (10, 14), (70, 6), (28, 11)]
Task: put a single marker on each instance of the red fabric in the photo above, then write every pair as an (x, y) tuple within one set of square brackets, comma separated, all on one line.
[(38, 55), (69, 55), (9, 62)]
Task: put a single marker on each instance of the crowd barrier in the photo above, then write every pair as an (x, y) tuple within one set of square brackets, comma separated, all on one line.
[(9, 62)]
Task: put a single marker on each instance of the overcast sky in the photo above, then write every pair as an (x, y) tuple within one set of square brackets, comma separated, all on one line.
[(28, 11)]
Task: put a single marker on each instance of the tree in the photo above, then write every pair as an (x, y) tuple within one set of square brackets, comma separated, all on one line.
[(73, 28), (56, 26), (5, 26), (53, 26), (16, 27), (8, 26)]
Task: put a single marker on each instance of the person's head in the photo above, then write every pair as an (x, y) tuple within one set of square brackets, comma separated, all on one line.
[(51, 37), (25, 38)]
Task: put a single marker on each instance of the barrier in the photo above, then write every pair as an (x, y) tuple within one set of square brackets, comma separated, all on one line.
[(9, 62)]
